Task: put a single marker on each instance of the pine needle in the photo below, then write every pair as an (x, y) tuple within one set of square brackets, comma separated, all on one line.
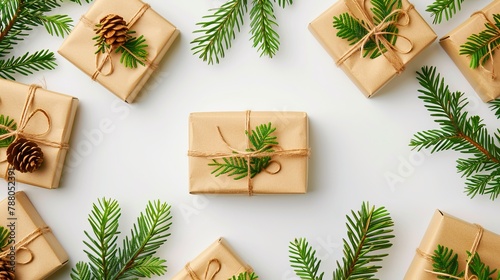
[(444, 8), (17, 21), (353, 29), (369, 232), (135, 258), (218, 29), (459, 132)]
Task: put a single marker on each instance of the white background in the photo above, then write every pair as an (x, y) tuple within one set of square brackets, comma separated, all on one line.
[(357, 144)]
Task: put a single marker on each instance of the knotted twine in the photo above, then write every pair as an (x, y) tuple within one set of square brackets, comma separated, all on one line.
[(25, 241), (27, 114), (235, 153), (475, 245), (491, 49), (100, 63), (377, 32), (206, 276)]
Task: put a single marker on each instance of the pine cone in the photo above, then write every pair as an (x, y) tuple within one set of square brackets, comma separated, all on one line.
[(113, 30), (24, 155), (6, 272)]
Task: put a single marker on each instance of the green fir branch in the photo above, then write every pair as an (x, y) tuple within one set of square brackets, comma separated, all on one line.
[(134, 52), (136, 256), (368, 231), (18, 19), (4, 237), (446, 8), (495, 107), (147, 235), (81, 272), (262, 141), (218, 29), (262, 24), (479, 47), (58, 25), (284, 3), (459, 132), (353, 30), (303, 260), (445, 262), (245, 276), (4, 143), (27, 64)]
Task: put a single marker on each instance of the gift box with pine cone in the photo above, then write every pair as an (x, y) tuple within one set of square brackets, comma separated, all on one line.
[(372, 41), (472, 45), (217, 262), (119, 43), (248, 152), (452, 233), (32, 247), (35, 129)]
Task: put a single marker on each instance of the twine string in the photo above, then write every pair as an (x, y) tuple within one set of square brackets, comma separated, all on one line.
[(491, 49), (377, 32), (473, 250), (25, 241), (248, 155), (209, 273), (24, 120), (100, 63)]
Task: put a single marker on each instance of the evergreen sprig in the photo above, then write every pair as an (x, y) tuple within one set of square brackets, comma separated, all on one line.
[(446, 8), (19, 17), (445, 261), (245, 276), (4, 237), (136, 256), (218, 29), (7, 122), (133, 51), (478, 45), (368, 232), (262, 141), (460, 132), (353, 29)]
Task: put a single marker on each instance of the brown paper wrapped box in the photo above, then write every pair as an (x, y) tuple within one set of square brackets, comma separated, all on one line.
[(370, 75), (124, 82), (480, 79), (61, 109), (455, 234), (38, 253), (218, 260), (292, 134)]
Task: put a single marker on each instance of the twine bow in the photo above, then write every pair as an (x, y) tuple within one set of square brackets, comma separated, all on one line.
[(27, 115), (21, 245), (250, 154), (208, 269), (377, 32), (467, 276), (491, 49), (100, 63)]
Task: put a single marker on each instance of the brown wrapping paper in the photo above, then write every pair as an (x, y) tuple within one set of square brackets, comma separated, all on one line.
[(455, 234), (370, 75), (480, 79), (291, 132), (43, 254), (124, 82), (60, 108), (218, 253)]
